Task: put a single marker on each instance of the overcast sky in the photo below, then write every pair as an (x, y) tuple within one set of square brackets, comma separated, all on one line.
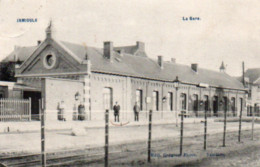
[(227, 31)]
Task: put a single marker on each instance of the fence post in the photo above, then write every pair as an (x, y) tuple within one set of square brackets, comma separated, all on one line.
[(181, 136), (42, 116), (205, 131), (240, 123), (224, 132), (149, 136), (253, 122), (29, 108), (106, 137)]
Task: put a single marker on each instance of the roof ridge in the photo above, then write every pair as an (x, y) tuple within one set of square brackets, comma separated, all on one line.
[(78, 44)]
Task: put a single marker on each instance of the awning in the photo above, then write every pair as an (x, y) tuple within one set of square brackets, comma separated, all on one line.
[(25, 87)]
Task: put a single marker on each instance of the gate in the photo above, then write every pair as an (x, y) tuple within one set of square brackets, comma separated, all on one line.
[(15, 109)]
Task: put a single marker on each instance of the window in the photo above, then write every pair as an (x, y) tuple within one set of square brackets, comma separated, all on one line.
[(156, 100), (225, 103), (233, 106), (49, 61), (170, 101), (241, 105), (139, 98), (206, 102), (108, 98), (195, 102), (183, 101), (1, 95)]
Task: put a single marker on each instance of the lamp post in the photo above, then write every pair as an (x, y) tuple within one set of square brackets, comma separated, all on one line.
[(176, 84), (77, 95)]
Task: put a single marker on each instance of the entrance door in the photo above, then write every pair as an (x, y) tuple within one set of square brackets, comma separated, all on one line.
[(35, 97), (215, 105)]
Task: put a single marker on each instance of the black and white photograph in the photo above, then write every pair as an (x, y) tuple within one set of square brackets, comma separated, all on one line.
[(138, 83)]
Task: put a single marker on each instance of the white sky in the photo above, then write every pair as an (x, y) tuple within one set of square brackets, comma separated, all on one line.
[(228, 31)]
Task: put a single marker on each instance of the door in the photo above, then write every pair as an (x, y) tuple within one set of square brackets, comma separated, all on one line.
[(215, 105), (35, 97), (108, 98)]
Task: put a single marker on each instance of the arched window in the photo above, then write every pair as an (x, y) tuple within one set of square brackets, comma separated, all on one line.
[(233, 106), (183, 101)]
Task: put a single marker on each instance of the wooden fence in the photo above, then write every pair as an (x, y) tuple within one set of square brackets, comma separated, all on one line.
[(15, 109)]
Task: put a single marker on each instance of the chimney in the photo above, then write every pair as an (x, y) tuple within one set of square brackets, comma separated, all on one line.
[(173, 60), (39, 42), (160, 61), (140, 46), (108, 50), (194, 67)]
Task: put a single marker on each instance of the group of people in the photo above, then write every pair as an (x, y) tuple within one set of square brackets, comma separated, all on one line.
[(136, 110), (79, 109)]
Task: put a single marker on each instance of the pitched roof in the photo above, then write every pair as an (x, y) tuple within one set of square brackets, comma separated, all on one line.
[(21, 53), (253, 74), (131, 64)]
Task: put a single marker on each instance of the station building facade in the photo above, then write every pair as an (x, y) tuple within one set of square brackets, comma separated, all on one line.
[(98, 77)]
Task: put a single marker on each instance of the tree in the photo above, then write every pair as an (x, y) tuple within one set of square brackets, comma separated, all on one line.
[(7, 71)]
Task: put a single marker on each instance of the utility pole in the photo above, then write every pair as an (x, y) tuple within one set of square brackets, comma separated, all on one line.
[(225, 124), (149, 136), (205, 128), (42, 116), (243, 73), (253, 121), (106, 137), (181, 135)]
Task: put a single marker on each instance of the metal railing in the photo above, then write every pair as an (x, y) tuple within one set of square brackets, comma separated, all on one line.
[(15, 109)]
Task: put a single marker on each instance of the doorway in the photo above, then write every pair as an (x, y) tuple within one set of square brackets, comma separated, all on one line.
[(215, 106), (35, 97)]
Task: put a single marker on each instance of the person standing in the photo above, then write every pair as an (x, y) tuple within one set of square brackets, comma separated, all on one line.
[(136, 111), (61, 114), (116, 109), (81, 112)]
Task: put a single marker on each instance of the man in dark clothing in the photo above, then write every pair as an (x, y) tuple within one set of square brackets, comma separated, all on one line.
[(136, 111), (116, 109)]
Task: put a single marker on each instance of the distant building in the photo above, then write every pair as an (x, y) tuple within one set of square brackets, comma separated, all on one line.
[(63, 71), (252, 83)]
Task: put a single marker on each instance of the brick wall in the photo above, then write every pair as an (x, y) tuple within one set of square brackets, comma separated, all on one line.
[(118, 86), (62, 89)]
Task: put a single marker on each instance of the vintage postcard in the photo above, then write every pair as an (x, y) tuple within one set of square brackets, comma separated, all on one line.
[(129, 83)]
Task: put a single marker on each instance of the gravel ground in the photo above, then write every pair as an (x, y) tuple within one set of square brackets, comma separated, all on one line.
[(194, 155), (94, 137), (246, 153)]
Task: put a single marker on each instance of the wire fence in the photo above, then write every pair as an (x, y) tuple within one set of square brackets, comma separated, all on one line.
[(116, 138)]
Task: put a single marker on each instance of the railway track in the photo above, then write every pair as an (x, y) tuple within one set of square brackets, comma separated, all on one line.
[(83, 156)]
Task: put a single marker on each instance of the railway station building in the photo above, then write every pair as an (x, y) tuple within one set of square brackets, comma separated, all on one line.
[(98, 77)]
